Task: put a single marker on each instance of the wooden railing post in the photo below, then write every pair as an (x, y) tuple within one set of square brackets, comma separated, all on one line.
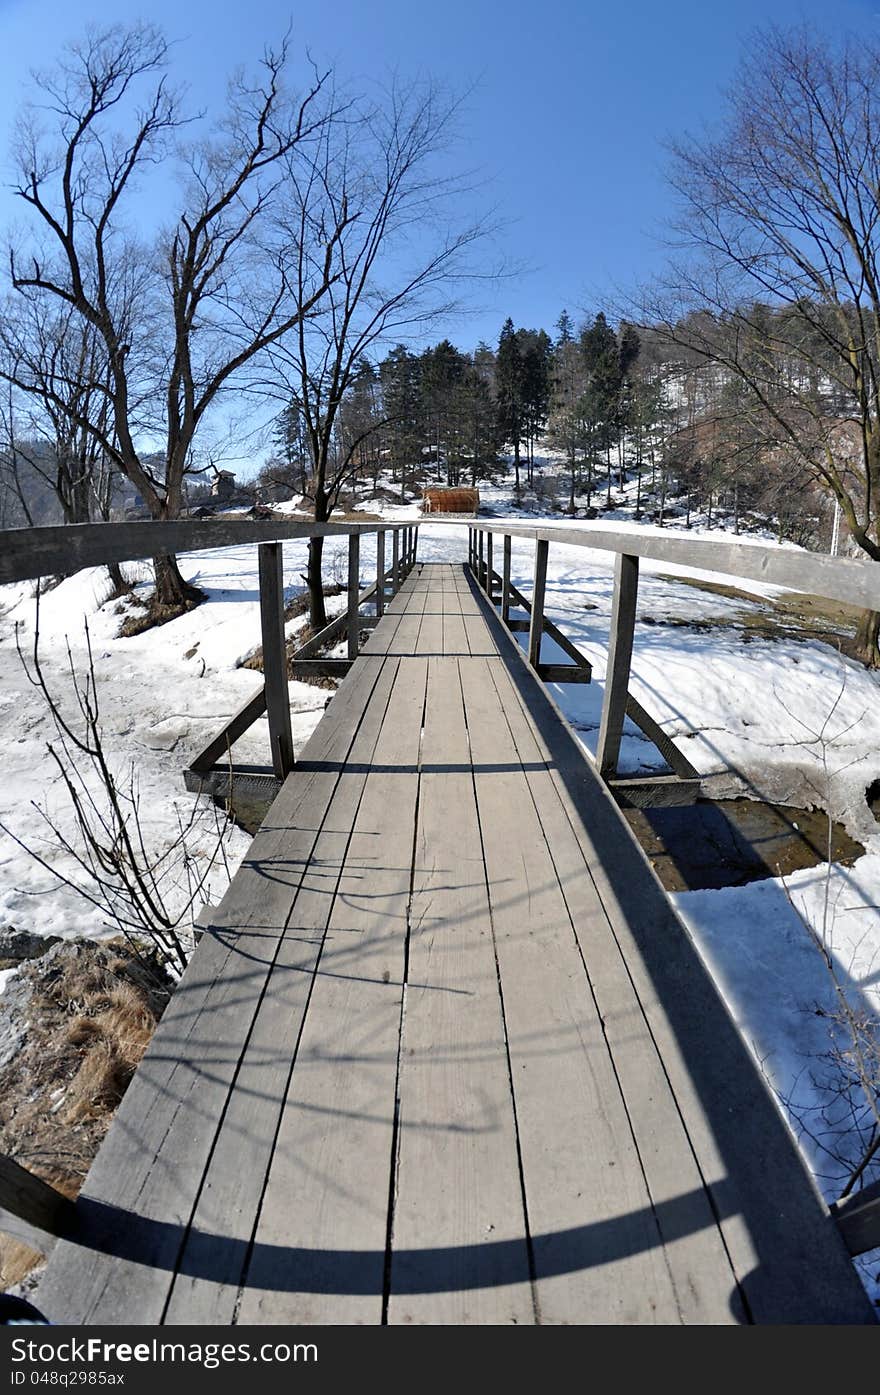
[(489, 563), (481, 566), (275, 657), (354, 590), (536, 626), (623, 618), (415, 544), (505, 580), (32, 1200), (380, 573), (395, 562)]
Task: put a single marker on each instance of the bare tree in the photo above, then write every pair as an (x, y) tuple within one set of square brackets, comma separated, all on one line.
[(181, 316), (394, 270), (782, 224), (62, 376)]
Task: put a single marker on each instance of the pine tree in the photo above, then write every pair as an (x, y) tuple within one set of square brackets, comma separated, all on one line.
[(509, 380)]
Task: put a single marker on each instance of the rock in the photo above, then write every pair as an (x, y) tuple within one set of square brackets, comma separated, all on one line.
[(13, 1017), (18, 945)]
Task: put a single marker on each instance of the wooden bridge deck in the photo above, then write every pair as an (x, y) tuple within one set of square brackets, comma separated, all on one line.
[(446, 1054)]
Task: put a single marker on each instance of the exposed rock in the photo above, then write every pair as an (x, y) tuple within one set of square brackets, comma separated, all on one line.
[(18, 945)]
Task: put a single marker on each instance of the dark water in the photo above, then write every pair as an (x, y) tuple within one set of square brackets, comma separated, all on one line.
[(729, 842)]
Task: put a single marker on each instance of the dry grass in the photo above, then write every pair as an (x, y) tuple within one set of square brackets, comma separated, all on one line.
[(151, 613), (298, 606), (90, 1016)]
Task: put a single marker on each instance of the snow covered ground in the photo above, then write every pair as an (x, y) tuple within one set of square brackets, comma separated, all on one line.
[(785, 719)]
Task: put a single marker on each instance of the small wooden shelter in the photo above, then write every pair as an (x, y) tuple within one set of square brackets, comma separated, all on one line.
[(440, 499)]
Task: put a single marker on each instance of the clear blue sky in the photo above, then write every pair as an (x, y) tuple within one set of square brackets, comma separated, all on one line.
[(572, 101)]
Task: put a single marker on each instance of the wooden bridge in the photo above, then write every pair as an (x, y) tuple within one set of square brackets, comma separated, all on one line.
[(445, 1052)]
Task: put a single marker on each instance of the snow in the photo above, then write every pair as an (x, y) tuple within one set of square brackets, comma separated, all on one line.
[(788, 720)]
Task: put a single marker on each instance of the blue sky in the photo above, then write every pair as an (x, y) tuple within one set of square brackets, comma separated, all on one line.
[(571, 102)]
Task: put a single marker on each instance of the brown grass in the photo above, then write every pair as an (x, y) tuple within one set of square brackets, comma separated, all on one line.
[(298, 606), (152, 613), (92, 1011)]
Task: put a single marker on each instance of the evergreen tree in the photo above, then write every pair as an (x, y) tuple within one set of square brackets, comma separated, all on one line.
[(511, 402), (400, 377)]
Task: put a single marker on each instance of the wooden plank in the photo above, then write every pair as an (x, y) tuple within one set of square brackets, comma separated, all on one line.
[(220, 781), (563, 673), (211, 1267), (275, 657), (789, 1263), (380, 573), (319, 668), (701, 1273), (26, 553), (150, 1166), (219, 745), (430, 635), (412, 603), (30, 1199), (320, 1246), (858, 1219), (549, 629), (654, 791), (455, 636), (599, 1256), (354, 561), (623, 617), (539, 584), (836, 578), (674, 758), (505, 579), (459, 1248)]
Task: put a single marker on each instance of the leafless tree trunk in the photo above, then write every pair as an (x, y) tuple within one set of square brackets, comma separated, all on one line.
[(783, 288), (180, 321), (381, 163)]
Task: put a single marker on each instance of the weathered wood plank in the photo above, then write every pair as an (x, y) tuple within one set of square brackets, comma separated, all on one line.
[(211, 1266), (26, 553), (505, 579), (598, 1251), (354, 586), (536, 618), (237, 725), (741, 1151), (836, 578), (30, 1199), (563, 673), (275, 657), (675, 759), (320, 668), (151, 1164), (654, 791), (858, 1219), (319, 1255), (380, 573), (459, 1251), (550, 629), (623, 616)]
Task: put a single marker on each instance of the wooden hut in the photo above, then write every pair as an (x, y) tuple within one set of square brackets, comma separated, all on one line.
[(440, 499)]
